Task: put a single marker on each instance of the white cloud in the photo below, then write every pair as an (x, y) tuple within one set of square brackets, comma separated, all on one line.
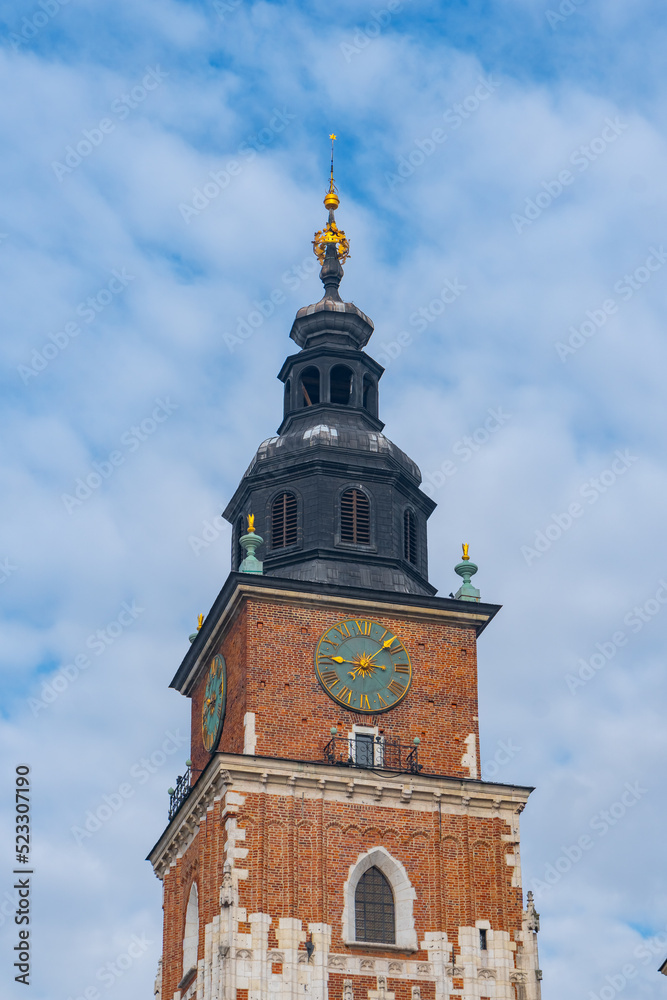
[(492, 347)]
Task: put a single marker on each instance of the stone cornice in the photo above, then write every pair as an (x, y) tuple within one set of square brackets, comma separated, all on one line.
[(239, 586), (180, 833), (330, 783)]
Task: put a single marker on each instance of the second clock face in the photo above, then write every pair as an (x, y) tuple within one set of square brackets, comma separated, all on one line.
[(215, 699), (363, 666)]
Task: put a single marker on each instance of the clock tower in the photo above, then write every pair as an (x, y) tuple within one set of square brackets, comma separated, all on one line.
[(333, 837)]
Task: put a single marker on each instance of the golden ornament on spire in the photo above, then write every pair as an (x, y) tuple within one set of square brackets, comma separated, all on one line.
[(200, 622), (465, 552), (331, 233), (251, 524), (331, 199)]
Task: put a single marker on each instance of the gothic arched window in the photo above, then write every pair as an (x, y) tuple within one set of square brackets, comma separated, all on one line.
[(309, 387), (283, 521), (409, 536), (374, 908), (340, 384), (355, 517)]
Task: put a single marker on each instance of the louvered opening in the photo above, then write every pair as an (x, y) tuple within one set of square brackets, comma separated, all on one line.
[(340, 385), (283, 521), (287, 396), (369, 395), (409, 537), (309, 391), (355, 517), (374, 908)]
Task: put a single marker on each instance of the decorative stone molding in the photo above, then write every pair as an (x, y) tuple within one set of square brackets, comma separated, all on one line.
[(487, 973), (469, 758), (331, 784), (227, 895), (157, 985), (404, 895), (381, 993), (182, 830), (249, 734), (531, 916), (348, 993)]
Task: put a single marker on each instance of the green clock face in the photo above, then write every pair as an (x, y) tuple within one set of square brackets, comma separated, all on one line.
[(215, 700), (363, 666)]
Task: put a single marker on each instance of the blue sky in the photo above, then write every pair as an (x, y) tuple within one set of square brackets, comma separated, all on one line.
[(531, 397)]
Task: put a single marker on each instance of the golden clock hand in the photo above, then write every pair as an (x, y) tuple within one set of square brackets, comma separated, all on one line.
[(385, 645), (341, 659)]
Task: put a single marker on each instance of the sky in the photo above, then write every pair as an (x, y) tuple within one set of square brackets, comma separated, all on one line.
[(501, 172)]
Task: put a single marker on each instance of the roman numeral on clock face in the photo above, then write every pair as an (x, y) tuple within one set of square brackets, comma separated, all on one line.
[(402, 668), (345, 693), (396, 688), (363, 626), (330, 677)]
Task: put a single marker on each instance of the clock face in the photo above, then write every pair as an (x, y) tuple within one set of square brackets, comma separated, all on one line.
[(363, 666), (215, 699)]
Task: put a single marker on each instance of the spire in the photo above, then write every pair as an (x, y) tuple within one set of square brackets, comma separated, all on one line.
[(330, 244)]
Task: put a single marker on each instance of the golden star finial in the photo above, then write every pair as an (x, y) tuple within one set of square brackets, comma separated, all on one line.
[(332, 137)]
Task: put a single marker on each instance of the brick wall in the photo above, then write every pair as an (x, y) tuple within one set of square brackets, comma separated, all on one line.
[(269, 650), (299, 855)]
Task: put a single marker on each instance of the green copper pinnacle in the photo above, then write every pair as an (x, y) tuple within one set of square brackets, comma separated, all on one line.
[(466, 570)]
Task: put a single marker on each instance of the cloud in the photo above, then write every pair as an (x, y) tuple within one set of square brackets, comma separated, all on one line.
[(493, 346)]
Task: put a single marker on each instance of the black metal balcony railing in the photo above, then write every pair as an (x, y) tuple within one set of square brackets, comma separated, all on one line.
[(178, 795), (362, 750)]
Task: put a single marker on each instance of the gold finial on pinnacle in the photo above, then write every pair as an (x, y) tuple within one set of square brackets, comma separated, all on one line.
[(200, 621), (465, 552), (251, 524), (331, 199), (331, 233)]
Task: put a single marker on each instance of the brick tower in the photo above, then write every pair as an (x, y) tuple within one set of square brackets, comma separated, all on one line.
[(332, 838)]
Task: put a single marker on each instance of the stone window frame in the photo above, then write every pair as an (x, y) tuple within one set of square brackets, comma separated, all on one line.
[(191, 930), (378, 746), (404, 896)]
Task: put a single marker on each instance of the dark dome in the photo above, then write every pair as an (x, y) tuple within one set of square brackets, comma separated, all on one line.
[(337, 435)]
